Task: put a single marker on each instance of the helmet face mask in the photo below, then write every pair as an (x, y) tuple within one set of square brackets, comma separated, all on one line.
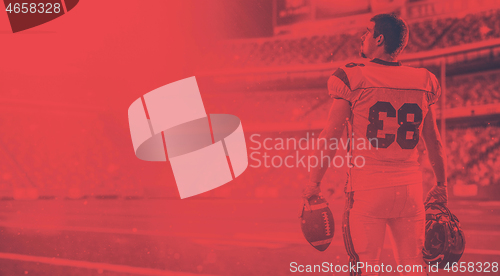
[(444, 238)]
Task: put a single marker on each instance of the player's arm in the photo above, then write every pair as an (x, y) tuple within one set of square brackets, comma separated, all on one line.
[(437, 157), (339, 114)]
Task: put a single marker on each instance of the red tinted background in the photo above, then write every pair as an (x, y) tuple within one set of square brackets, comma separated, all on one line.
[(76, 200)]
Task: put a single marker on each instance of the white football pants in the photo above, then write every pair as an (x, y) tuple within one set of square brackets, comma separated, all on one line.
[(368, 212)]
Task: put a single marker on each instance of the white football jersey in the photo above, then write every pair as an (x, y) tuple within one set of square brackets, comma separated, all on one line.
[(389, 103)]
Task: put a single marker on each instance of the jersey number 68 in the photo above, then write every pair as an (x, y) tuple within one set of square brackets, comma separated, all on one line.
[(405, 126)]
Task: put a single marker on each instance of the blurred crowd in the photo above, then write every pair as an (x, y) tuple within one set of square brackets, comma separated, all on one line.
[(474, 155), (426, 35), (60, 154), (475, 89)]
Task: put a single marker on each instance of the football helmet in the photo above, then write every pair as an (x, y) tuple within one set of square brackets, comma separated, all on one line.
[(444, 238)]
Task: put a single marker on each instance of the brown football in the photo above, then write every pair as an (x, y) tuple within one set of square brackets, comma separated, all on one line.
[(317, 224)]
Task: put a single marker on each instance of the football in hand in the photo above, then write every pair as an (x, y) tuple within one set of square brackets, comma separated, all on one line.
[(317, 224)]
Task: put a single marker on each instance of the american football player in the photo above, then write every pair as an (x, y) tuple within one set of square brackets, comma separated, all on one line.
[(390, 107)]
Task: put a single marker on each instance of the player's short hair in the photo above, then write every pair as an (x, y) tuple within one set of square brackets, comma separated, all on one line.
[(395, 32)]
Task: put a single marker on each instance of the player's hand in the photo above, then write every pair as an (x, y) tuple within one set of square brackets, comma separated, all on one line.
[(437, 194), (310, 190)]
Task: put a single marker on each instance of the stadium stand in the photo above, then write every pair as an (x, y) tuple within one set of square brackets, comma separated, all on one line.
[(473, 153), (63, 154), (474, 89), (436, 33)]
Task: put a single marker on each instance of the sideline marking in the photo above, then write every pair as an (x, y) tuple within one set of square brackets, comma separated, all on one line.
[(97, 266)]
